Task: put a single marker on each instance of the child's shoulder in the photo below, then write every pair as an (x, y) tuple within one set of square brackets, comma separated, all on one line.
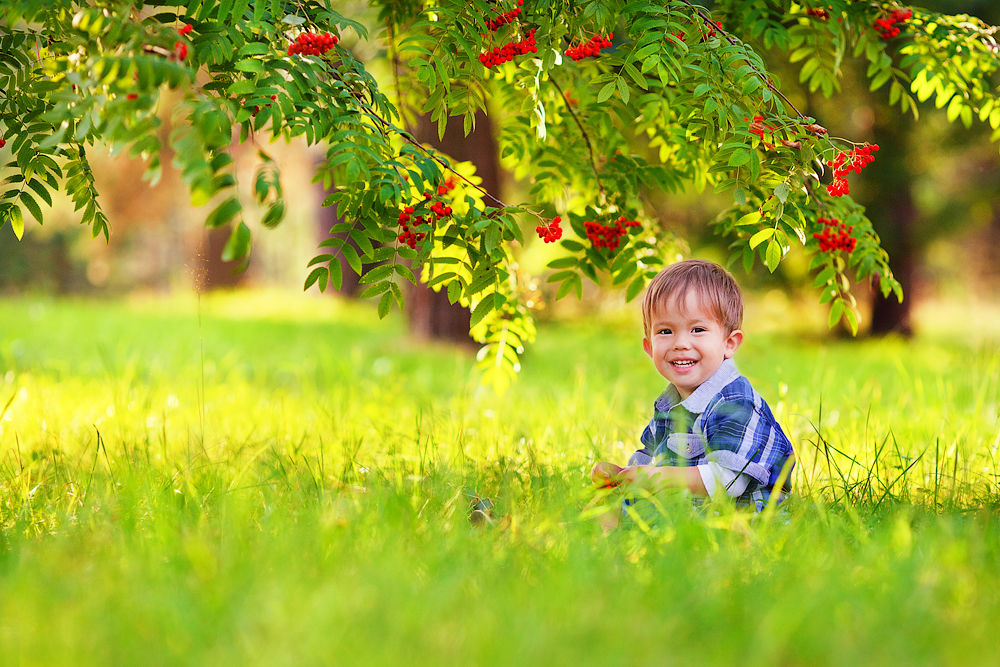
[(737, 390)]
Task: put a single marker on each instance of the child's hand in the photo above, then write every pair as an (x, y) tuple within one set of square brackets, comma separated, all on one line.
[(605, 474)]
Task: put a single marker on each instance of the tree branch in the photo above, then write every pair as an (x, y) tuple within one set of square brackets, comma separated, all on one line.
[(407, 137), (707, 17), (586, 138)]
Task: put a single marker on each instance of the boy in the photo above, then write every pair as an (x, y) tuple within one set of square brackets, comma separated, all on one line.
[(711, 433)]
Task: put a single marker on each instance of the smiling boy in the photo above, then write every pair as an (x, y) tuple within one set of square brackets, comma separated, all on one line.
[(711, 433)]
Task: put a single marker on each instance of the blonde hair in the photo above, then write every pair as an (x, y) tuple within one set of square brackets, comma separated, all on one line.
[(715, 287)]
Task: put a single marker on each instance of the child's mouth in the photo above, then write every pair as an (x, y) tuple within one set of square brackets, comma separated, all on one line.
[(683, 363)]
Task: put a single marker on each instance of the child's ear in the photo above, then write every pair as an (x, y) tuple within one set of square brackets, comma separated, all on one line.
[(647, 347), (733, 343)]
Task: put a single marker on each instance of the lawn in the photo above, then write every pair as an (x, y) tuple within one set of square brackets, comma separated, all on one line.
[(287, 480)]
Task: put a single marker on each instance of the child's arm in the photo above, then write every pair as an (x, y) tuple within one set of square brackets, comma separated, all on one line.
[(661, 477)]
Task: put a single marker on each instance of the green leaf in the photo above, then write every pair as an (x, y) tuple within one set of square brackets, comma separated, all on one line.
[(606, 92), (749, 219), (782, 191), (565, 288), (384, 304), (740, 195), (376, 289), (748, 257), (825, 276), (336, 274), (239, 244), (16, 221), (274, 215), (739, 158), (563, 263), (351, 255), (836, 311), (761, 236), (32, 206), (454, 291), (223, 213), (250, 65), (314, 276), (376, 274), (852, 320), (634, 288), (773, 255), (482, 310), (242, 87)]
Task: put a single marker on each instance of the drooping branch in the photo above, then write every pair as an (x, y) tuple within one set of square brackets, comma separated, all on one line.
[(586, 138)]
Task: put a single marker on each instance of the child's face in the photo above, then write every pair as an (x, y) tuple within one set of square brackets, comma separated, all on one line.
[(687, 343)]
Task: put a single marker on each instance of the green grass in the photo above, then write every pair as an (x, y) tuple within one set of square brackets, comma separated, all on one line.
[(301, 497)]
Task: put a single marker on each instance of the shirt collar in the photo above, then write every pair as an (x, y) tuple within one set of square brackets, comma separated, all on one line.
[(700, 397)]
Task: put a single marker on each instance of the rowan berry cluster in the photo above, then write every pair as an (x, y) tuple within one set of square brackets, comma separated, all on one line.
[(591, 47), (184, 30), (132, 96), (501, 54), (312, 44), (408, 236), (818, 13), (439, 211), (846, 162), (886, 28), (711, 29), (552, 232), (180, 50), (503, 19), (835, 236), (3, 142), (608, 236)]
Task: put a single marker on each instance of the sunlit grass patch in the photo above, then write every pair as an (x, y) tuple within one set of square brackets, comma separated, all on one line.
[(303, 496)]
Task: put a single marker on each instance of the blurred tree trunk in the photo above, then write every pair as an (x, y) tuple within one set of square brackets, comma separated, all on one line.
[(992, 268), (430, 314), (893, 213), (215, 273)]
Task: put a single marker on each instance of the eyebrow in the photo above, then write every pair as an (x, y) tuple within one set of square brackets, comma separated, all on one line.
[(659, 324)]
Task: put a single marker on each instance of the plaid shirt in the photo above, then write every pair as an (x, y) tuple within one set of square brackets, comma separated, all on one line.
[(725, 421)]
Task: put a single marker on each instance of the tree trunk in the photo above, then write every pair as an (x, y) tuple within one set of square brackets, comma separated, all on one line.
[(215, 273), (430, 314)]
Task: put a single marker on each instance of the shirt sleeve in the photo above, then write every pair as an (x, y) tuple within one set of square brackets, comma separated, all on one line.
[(719, 480), (738, 437)]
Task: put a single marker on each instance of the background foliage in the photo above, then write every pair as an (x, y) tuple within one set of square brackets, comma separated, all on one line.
[(670, 103)]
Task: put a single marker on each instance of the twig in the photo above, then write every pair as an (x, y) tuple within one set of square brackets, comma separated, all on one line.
[(407, 137), (735, 42), (395, 72), (586, 137)]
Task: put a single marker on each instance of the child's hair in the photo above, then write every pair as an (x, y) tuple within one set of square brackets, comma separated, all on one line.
[(716, 288)]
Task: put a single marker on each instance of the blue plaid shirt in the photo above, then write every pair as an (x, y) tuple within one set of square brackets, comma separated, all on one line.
[(725, 421)]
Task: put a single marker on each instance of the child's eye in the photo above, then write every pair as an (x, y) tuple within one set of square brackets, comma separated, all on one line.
[(664, 331), (699, 329)]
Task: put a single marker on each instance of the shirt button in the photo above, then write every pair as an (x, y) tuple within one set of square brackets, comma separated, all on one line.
[(689, 449)]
